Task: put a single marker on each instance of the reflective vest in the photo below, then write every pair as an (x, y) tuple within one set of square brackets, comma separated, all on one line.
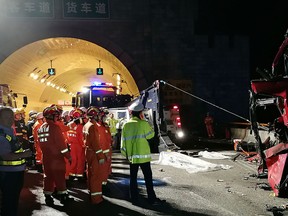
[(134, 144), (112, 124), (16, 148)]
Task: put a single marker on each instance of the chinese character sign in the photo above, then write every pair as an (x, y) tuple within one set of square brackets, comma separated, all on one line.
[(91, 9), (30, 8)]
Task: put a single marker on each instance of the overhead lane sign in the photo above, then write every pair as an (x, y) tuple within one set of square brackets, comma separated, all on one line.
[(71, 9), (30, 8), (86, 9)]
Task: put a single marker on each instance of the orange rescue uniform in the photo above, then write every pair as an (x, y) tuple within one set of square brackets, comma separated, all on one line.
[(105, 141), (64, 129), (75, 139), (94, 157), (38, 156), (54, 151)]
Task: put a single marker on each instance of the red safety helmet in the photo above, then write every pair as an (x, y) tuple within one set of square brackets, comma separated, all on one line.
[(103, 111), (77, 113), (92, 111), (51, 112), (58, 107)]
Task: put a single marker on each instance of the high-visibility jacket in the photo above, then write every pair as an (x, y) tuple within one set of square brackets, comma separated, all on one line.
[(112, 125), (134, 144)]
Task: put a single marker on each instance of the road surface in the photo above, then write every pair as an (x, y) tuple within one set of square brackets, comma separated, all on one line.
[(231, 192)]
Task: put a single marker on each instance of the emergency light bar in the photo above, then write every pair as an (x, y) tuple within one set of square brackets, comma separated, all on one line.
[(102, 84)]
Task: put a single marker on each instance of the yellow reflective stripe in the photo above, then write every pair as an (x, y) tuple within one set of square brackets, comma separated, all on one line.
[(43, 135), (9, 138), (96, 194), (139, 136), (65, 150), (99, 151), (140, 156), (106, 151), (20, 150), (12, 163)]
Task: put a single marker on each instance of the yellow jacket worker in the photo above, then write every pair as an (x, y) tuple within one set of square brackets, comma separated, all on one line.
[(135, 147)]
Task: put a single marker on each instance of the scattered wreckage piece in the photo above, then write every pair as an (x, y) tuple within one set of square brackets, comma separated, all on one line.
[(277, 163)]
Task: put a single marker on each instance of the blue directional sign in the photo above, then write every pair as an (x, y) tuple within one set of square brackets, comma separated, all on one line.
[(99, 71), (51, 71)]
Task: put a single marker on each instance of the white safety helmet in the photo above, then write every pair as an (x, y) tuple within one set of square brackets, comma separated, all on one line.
[(84, 109), (65, 113), (32, 113), (39, 115)]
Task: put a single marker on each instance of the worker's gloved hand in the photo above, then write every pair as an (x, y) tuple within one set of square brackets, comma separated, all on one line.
[(101, 161)]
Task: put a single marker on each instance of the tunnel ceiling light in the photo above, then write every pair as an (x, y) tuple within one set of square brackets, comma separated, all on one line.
[(35, 77), (118, 77), (44, 80)]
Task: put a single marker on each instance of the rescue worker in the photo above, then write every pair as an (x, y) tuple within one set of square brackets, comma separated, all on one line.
[(64, 129), (65, 117), (208, 121), (12, 164), (54, 151), (21, 133), (94, 156), (111, 121), (105, 142), (135, 148), (75, 139), (20, 128), (38, 152), (29, 125)]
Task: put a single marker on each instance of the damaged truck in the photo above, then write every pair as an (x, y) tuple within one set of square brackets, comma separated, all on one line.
[(269, 111)]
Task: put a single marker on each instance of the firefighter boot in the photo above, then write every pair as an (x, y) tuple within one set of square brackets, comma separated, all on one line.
[(49, 200), (65, 199)]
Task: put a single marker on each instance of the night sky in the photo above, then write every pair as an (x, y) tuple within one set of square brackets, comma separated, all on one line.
[(265, 22)]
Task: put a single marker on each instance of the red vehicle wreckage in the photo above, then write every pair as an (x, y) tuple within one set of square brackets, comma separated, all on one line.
[(268, 104)]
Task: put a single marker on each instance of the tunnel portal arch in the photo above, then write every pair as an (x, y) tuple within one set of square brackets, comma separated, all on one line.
[(16, 68)]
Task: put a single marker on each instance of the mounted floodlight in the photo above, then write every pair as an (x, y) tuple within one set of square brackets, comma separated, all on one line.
[(85, 90)]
